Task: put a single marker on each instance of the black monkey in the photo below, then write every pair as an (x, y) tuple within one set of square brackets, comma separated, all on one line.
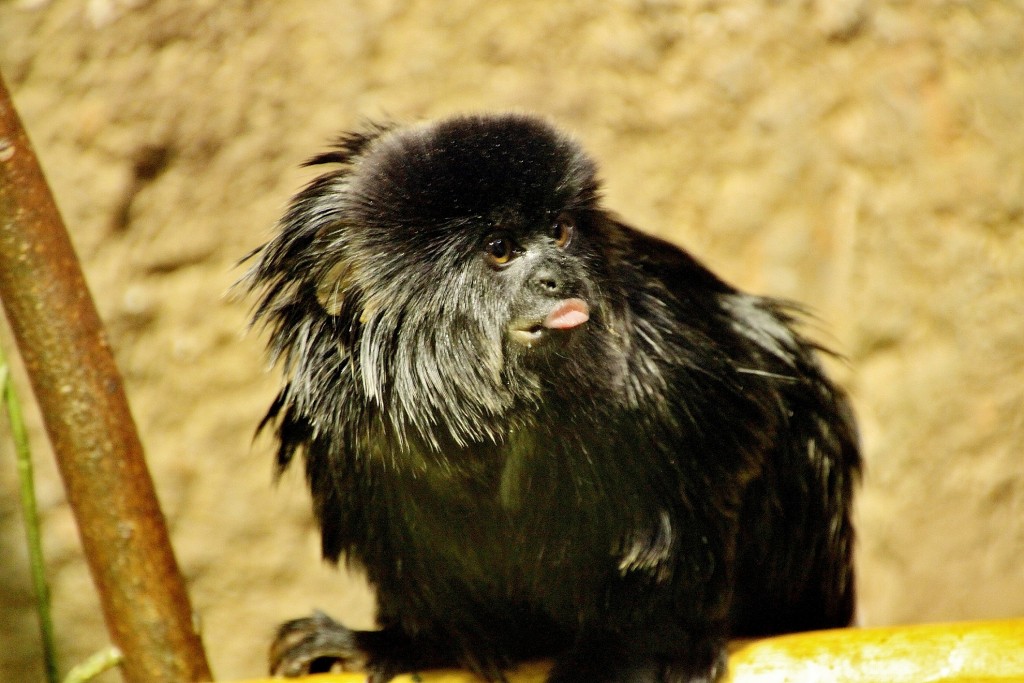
[(541, 432)]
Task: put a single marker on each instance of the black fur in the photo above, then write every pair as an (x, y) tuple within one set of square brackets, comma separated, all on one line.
[(622, 495)]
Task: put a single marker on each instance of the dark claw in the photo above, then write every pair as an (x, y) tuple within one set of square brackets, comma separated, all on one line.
[(315, 644)]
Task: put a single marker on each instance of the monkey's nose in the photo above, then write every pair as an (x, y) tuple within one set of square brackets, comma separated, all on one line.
[(546, 281)]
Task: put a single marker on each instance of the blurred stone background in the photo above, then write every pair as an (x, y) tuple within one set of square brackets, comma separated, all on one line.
[(865, 157)]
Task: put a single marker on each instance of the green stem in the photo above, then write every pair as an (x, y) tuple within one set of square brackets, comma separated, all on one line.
[(30, 514)]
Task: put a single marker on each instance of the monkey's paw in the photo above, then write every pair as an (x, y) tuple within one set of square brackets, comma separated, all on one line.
[(315, 644)]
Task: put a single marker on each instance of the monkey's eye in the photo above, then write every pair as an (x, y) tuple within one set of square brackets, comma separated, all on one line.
[(499, 250), (563, 229)]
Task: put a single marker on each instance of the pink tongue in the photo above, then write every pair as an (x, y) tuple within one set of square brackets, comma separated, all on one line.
[(567, 314)]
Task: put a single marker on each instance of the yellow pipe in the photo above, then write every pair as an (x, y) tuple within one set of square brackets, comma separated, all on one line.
[(988, 651), (930, 653)]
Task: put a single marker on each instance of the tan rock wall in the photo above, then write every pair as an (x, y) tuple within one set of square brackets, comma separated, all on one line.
[(864, 157)]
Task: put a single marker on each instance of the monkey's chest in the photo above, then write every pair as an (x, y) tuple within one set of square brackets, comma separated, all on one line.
[(519, 541)]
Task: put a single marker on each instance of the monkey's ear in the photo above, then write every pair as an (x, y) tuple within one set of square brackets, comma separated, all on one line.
[(334, 286), (341, 297)]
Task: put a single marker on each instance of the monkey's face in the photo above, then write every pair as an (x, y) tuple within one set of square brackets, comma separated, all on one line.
[(548, 284), (457, 259)]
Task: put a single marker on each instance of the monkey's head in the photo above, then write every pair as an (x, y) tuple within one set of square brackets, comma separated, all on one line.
[(442, 275)]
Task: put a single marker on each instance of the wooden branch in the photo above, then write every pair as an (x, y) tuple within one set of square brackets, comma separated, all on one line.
[(80, 393)]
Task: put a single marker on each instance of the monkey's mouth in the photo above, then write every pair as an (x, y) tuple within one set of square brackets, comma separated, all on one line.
[(564, 315)]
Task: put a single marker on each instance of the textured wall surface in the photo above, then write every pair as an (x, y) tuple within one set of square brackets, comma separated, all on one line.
[(864, 157)]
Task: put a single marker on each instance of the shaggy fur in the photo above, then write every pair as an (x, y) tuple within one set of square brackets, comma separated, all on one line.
[(621, 494)]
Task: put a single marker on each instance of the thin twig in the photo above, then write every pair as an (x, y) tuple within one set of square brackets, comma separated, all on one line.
[(94, 666)]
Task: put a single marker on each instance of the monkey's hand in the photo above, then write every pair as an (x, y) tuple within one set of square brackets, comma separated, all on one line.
[(314, 644), (318, 644)]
